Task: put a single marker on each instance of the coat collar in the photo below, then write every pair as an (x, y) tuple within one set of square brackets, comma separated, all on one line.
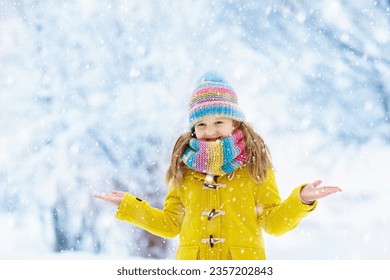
[(202, 176)]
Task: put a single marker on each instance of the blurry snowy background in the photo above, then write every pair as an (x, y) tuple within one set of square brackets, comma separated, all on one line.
[(93, 95)]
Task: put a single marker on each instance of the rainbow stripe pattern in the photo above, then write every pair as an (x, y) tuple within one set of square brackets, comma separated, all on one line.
[(216, 157), (214, 98)]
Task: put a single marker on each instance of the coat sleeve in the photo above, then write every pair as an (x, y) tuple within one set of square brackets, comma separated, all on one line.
[(277, 217), (164, 223)]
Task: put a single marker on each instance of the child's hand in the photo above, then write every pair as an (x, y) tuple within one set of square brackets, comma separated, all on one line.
[(115, 197), (312, 192)]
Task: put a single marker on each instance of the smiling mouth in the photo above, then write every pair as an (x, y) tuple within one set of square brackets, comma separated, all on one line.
[(213, 139)]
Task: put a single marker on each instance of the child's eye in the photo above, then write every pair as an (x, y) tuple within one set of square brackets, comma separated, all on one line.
[(219, 122), (200, 125)]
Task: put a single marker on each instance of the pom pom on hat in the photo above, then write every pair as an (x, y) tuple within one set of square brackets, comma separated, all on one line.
[(212, 76), (213, 97)]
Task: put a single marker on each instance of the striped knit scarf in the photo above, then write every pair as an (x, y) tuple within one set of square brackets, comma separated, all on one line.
[(216, 157)]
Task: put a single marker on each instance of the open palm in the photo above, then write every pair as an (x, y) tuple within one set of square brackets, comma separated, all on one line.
[(314, 191)]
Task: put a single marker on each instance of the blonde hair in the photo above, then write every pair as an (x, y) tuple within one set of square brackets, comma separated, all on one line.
[(257, 163)]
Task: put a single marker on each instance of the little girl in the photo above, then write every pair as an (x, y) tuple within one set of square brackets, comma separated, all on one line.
[(222, 189)]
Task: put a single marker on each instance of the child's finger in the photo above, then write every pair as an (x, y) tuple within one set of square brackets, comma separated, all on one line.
[(316, 183)]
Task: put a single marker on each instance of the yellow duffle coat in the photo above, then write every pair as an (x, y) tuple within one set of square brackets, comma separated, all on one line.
[(219, 219)]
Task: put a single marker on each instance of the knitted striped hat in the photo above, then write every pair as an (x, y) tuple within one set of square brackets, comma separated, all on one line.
[(213, 97)]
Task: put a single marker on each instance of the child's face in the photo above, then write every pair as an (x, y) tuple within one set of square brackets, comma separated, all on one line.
[(212, 129)]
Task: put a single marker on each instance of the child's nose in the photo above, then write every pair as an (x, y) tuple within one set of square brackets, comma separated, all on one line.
[(210, 131)]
